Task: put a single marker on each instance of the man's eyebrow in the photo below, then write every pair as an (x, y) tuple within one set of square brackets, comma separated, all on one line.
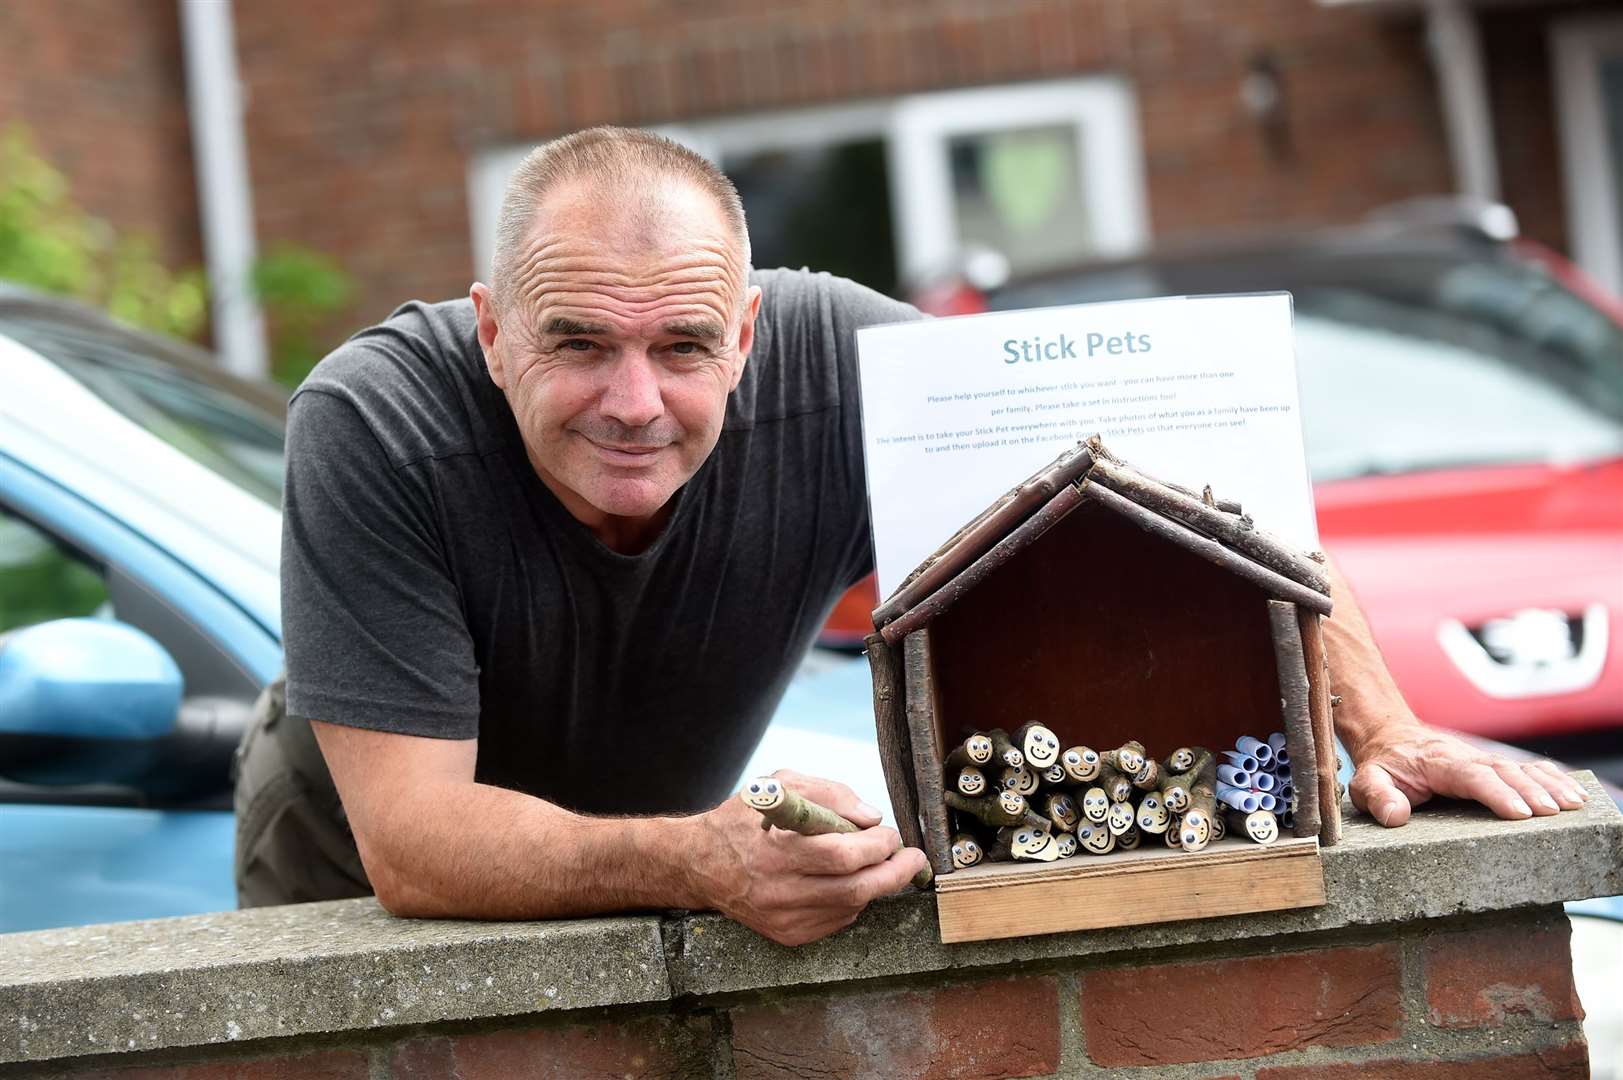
[(699, 329), (566, 327)]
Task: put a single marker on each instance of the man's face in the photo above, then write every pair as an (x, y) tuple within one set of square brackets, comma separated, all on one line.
[(624, 329)]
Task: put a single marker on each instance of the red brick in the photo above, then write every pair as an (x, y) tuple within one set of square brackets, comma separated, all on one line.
[(993, 1028), (1568, 1062), (654, 1048), (328, 1065), (1482, 977), (1246, 1007)]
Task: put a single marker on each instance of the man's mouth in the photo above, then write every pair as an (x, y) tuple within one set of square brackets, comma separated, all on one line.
[(634, 454)]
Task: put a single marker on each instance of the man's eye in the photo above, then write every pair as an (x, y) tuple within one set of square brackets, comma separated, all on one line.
[(579, 345), (687, 348)]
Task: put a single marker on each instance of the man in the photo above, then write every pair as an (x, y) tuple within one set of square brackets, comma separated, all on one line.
[(551, 555)]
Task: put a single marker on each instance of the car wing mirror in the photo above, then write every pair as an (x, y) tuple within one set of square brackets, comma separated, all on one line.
[(87, 678)]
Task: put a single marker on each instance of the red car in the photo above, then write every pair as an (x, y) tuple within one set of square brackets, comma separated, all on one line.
[(1463, 404)]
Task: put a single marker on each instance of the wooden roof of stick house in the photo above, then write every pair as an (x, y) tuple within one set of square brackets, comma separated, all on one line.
[(1033, 642)]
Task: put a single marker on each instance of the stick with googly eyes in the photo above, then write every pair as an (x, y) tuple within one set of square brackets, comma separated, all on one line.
[(1004, 750), (997, 811), (797, 814)]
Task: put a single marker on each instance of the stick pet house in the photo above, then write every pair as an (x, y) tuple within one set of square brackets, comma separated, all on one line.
[(1109, 606)]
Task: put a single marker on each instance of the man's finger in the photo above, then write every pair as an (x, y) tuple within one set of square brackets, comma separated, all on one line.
[(832, 794), (1531, 790), (839, 853), (1374, 793), (1567, 791), (1478, 780), (856, 890)]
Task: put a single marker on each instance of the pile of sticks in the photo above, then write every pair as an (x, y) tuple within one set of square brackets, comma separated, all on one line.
[(1019, 797)]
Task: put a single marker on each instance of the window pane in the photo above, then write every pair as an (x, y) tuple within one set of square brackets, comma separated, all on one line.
[(229, 435), (40, 580), (1019, 192), (826, 207)]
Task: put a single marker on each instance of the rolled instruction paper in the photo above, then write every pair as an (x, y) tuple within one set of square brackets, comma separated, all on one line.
[(1244, 762), (1228, 774), (1239, 798), (1266, 801), (1287, 819), (781, 807), (1276, 743), (1258, 749), (1263, 781), (1285, 792), (1281, 772)]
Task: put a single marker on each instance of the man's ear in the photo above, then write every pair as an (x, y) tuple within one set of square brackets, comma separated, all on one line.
[(484, 311), (746, 332)]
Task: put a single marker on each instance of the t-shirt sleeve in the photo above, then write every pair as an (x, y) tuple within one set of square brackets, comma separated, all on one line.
[(372, 622)]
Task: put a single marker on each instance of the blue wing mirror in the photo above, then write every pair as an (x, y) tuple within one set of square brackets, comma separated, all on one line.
[(87, 678)]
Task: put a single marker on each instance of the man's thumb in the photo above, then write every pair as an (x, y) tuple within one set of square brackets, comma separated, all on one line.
[(1374, 793)]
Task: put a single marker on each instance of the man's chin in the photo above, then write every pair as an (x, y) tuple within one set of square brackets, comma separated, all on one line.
[(636, 498)]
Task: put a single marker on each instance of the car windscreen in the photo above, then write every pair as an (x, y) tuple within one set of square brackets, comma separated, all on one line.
[(207, 422), (1409, 364)]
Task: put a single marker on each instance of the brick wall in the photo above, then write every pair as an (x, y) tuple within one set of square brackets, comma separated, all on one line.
[(362, 117), (101, 85), (1484, 996)]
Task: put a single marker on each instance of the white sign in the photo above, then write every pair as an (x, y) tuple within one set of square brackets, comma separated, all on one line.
[(1191, 390)]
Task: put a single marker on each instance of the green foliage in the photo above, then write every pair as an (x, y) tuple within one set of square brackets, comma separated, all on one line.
[(298, 289), (49, 243)]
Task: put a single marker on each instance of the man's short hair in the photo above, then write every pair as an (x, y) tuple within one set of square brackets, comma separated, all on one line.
[(616, 159)]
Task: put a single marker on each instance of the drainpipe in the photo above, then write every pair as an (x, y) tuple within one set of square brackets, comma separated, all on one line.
[(1456, 52), (214, 100)]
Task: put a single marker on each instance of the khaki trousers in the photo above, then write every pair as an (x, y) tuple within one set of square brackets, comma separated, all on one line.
[(293, 841)]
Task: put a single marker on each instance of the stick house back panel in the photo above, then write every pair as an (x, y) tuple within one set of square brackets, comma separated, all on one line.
[(1107, 606)]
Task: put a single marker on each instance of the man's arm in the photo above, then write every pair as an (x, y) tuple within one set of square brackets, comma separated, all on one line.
[(437, 844), (1401, 762)]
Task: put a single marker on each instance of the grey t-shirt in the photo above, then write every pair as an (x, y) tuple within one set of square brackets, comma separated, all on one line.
[(433, 585)]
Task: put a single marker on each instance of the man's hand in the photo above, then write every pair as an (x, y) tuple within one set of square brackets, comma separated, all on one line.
[(793, 888), (1403, 765)]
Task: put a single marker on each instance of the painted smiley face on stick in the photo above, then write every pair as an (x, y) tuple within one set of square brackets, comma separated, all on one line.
[(1153, 816), (1120, 817), (966, 851), (1095, 805), (978, 748), (1067, 844), (971, 781), (1096, 839), (1033, 845), (1039, 744), (1080, 763), (1262, 826), (763, 793)]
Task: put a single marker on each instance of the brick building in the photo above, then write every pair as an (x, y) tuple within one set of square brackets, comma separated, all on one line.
[(380, 130)]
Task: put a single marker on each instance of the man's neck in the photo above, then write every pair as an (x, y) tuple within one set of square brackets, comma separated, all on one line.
[(622, 535)]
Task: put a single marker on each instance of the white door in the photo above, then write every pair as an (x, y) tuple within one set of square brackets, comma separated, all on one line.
[(1587, 59)]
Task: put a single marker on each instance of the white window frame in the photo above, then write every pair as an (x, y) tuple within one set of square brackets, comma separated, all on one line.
[(1594, 231), (916, 129)]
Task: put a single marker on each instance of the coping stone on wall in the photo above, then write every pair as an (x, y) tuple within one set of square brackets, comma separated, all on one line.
[(348, 965)]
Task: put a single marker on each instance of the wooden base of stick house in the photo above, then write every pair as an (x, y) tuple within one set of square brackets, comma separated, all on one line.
[(1108, 606)]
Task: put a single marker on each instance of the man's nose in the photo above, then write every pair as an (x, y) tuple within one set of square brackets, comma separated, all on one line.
[(633, 396)]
